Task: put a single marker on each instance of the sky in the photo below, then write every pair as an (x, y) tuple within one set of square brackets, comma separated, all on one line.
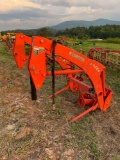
[(32, 14)]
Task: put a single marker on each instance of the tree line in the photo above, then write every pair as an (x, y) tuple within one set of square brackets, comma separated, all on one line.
[(102, 32)]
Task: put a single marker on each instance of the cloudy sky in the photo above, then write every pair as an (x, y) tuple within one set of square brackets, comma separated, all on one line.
[(28, 14)]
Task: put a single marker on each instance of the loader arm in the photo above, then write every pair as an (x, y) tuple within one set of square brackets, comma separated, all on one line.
[(19, 49)]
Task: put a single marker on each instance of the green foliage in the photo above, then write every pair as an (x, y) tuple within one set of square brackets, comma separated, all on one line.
[(45, 32), (113, 80), (112, 40), (78, 43), (27, 49), (102, 32), (107, 32)]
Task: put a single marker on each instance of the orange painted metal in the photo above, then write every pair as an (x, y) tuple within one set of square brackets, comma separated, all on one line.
[(60, 91), (68, 71), (19, 49), (41, 52), (81, 85), (85, 112), (37, 63)]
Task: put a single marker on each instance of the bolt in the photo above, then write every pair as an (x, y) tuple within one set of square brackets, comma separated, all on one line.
[(41, 41), (15, 54), (43, 75), (32, 68)]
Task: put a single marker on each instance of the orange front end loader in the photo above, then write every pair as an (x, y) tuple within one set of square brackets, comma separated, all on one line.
[(73, 64)]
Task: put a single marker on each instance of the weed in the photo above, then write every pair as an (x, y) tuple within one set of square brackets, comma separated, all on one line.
[(21, 150), (95, 151)]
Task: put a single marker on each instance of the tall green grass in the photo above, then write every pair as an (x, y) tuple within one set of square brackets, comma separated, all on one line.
[(112, 40)]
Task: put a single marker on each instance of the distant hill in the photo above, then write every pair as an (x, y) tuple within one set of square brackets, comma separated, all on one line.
[(82, 23)]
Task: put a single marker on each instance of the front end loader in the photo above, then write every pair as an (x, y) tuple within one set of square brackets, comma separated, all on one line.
[(83, 74)]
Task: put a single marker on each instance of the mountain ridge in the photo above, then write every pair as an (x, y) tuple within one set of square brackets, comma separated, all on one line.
[(84, 23)]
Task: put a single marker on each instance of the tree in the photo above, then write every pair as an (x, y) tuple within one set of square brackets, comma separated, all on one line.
[(45, 32)]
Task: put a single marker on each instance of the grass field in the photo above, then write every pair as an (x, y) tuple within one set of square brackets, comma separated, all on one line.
[(33, 131), (87, 45)]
